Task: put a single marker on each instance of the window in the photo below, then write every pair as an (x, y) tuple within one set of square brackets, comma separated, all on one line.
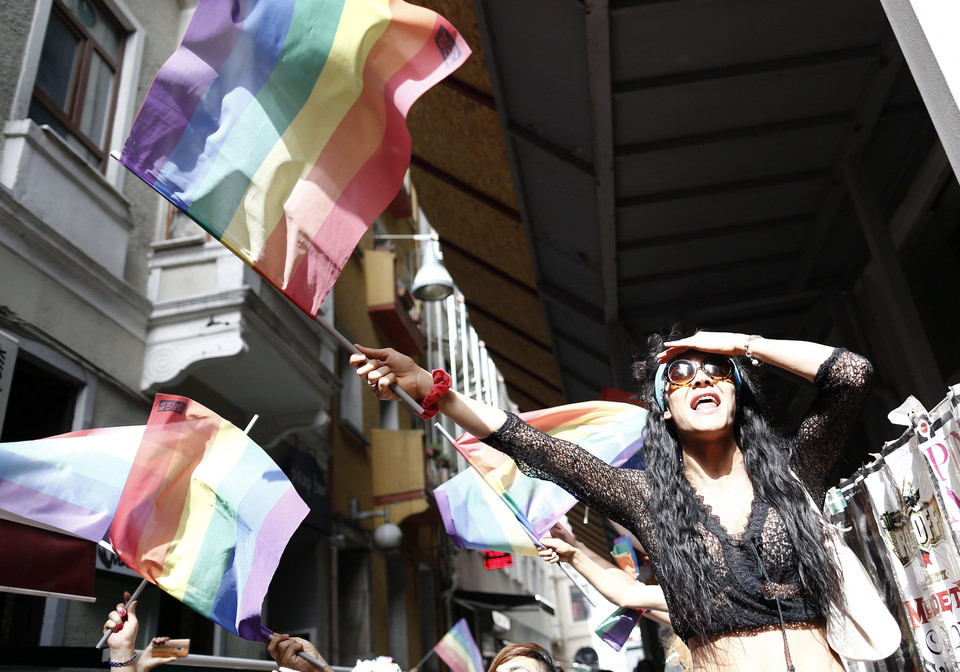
[(42, 403), (177, 225), (49, 394), (579, 607), (78, 75)]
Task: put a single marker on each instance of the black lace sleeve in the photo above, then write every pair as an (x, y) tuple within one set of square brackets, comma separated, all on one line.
[(843, 381), (620, 494)]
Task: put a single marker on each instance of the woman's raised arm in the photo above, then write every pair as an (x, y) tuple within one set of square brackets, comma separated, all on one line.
[(381, 367), (802, 358)]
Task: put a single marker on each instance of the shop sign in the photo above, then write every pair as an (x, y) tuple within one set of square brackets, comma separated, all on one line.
[(109, 561), (497, 560), (311, 484)]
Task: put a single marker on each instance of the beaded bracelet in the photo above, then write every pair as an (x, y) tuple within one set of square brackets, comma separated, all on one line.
[(124, 663), (441, 385), (748, 354)]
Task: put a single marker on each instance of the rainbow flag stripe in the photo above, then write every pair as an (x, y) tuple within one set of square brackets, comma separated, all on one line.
[(205, 514), (458, 649), (70, 483), (280, 127), (506, 510)]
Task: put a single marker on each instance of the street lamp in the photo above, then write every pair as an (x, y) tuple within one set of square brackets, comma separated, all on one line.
[(432, 281), (387, 536)]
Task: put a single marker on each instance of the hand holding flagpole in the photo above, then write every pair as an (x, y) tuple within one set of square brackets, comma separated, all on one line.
[(352, 349), (277, 654), (133, 598)]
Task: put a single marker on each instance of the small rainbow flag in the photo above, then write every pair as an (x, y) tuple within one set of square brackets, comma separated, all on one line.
[(458, 649), (495, 506), (205, 514), (71, 482), (616, 628), (625, 555), (280, 127)]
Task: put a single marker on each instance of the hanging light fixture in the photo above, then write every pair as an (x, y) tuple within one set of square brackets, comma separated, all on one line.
[(433, 281)]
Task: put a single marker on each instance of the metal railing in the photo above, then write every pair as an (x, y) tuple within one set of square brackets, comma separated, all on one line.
[(225, 663)]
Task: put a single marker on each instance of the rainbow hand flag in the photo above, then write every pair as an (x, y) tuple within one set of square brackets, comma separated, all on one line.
[(616, 628), (70, 483), (625, 555), (205, 514), (458, 649), (495, 506), (280, 127)]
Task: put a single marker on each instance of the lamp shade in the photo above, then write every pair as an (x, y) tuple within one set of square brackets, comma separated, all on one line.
[(387, 536), (433, 281)]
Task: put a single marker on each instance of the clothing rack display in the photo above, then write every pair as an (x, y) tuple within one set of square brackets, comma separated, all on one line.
[(901, 514)]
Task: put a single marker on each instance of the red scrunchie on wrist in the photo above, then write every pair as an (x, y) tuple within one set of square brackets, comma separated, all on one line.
[(441, 385)]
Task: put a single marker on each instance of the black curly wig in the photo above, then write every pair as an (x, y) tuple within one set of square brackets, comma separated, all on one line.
[(684, 563)]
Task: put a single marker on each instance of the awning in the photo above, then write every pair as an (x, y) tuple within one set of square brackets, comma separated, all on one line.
[(503, 601)]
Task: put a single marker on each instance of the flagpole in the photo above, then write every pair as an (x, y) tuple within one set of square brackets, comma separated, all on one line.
[(351, 348), (136, 594), (530, 534), (416, 667)]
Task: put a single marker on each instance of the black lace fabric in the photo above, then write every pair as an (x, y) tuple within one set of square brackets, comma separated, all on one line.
[(622, 495)]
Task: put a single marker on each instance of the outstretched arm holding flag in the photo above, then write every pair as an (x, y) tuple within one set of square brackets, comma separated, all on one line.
[(617, 582), (612, 582), (382, 368)]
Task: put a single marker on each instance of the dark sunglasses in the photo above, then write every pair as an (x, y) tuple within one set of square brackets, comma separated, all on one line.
[(681, 372)]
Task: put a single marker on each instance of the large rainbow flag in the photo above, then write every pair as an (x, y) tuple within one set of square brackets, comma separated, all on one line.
[(205, 514), (495, 506), (280, 127), (458, 649), (69, 483)]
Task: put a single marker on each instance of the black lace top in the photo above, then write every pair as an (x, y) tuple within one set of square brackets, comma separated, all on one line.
[(623, 495)]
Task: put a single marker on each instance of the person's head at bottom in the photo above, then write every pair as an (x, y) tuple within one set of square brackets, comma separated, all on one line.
[(527, 657)]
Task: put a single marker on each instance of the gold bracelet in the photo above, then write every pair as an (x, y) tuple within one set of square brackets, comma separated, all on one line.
[(748, 354)]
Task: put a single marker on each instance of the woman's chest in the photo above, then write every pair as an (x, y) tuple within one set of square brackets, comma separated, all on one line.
[(730, 505)]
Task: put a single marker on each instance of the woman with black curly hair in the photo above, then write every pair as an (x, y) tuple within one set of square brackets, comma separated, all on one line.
[(737, 548)]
